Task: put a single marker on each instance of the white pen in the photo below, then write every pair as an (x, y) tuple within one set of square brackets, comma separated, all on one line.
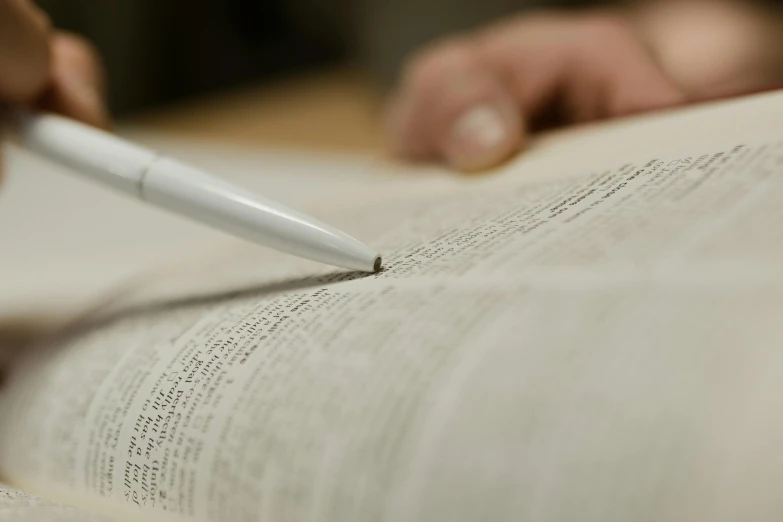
[(169, 184)]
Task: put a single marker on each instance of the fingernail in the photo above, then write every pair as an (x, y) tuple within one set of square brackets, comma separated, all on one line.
[(479, 138)]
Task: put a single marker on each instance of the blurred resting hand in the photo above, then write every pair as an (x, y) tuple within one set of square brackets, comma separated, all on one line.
[(471, 100)]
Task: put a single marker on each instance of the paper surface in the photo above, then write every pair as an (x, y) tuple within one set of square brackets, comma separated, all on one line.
[(601, 348), (16, 506)]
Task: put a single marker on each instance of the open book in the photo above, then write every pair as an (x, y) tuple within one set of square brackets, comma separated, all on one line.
[(592, 333)]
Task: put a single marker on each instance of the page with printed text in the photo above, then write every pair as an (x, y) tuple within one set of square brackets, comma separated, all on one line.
[(600, 345)]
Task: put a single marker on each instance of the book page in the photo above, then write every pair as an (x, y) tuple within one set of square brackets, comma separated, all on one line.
[(16, 506), (600, 348)]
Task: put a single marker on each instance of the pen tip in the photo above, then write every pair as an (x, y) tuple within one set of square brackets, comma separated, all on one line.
[(377, 265)]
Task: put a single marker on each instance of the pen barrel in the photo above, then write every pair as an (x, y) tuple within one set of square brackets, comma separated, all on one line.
[(190, 192), (97, 154), (202, 197)]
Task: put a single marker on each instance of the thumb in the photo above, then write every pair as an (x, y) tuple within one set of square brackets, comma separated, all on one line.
[(451, 107), (24, 51)]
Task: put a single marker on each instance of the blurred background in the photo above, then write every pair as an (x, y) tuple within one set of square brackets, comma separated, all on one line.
[(159, 51)]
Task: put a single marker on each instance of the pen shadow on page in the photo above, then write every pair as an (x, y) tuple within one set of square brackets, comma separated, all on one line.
[(204, 299), (260, 290)]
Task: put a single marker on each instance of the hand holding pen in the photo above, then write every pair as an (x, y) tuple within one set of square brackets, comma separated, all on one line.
[(47, 69)]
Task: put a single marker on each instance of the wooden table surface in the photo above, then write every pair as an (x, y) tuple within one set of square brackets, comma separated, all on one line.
[(338, 111)]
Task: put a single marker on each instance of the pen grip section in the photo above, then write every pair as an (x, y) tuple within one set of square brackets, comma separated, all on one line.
[(97, 154)]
